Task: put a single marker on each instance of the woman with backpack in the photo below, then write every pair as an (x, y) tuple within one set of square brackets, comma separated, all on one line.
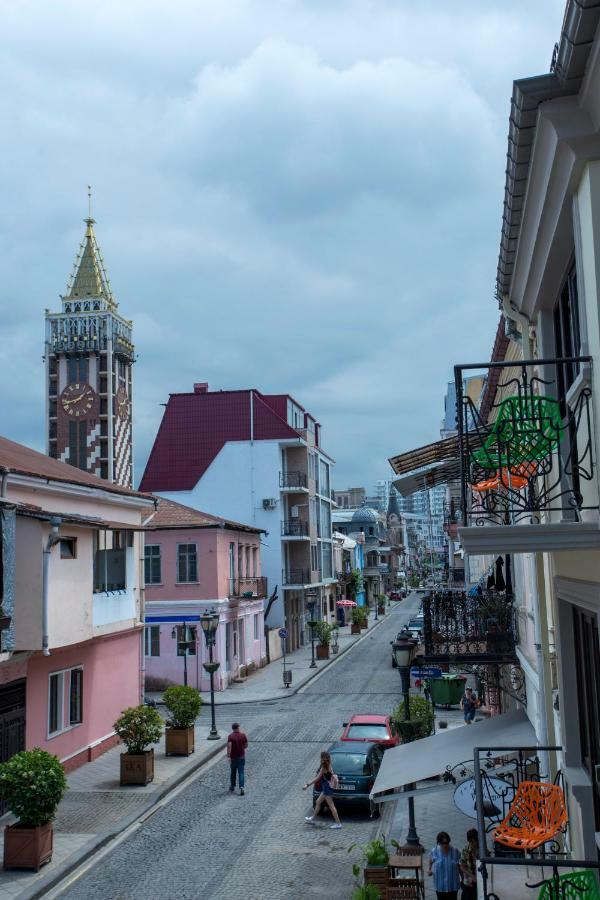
[(327, 782)]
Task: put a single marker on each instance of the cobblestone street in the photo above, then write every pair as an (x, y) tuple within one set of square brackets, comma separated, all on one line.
[(210, 844)]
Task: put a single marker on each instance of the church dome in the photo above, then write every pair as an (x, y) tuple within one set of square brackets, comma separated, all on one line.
[(365, 515)]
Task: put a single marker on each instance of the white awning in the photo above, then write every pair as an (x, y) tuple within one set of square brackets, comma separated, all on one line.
[(432, 756)]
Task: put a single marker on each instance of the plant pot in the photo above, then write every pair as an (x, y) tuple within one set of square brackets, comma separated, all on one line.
[(322, 652), (179, 741), (355, 628), (335, 648), (376, 875), (364, 625), (137, 768), (381, 610), (28, 848)]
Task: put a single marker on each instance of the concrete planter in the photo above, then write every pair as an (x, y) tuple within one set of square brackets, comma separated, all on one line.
[(137, 768), (179, 741), (28, 848), (322, 652)]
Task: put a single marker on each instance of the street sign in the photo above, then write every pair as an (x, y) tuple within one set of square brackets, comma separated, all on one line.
[(283, 633)]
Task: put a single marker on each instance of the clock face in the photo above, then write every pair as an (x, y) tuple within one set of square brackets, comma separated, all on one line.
[(122, 403), (78, 400)]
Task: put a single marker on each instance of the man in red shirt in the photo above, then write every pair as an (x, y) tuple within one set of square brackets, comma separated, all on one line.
[(236, 751)]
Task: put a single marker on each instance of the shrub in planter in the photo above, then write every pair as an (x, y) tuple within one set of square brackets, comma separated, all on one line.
[(184, 704), (323, 635), (376, 858), (421, 719), (356, 619), (381, 604), (138, 727), (32, 784)]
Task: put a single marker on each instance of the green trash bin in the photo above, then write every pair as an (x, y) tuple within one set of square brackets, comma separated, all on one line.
[(447, 690)]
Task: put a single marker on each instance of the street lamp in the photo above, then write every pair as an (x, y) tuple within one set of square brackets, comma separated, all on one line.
[(311, 611), (209, 622), (186, 643), (404, 650)]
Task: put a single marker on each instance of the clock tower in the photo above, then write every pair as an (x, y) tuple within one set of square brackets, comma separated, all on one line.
[(89, 358)]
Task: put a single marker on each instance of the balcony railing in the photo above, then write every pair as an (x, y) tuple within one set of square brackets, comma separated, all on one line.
[(250, 588), (292, 479), (461, 628), (294, 528), (527, 454), (296, 576)]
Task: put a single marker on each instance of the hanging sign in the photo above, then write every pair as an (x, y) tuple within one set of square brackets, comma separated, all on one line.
[(497, 797)]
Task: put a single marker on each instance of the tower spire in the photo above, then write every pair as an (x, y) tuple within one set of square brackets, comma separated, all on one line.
[(88, 278)]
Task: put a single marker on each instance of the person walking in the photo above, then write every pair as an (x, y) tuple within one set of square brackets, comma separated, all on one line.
[(469, 704), (468, 866), (443, 865), (236, 751), (326, 781)]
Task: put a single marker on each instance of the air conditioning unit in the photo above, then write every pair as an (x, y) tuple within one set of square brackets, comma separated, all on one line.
[(269, 503)]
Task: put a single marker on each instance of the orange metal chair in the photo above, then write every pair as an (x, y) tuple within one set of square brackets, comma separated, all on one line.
[(536, 815)]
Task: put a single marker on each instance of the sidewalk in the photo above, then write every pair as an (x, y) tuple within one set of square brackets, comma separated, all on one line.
[(96, 808), (267, 683)]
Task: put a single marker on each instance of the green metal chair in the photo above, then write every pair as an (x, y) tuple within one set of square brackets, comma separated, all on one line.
[(526, 430), (582, 885)]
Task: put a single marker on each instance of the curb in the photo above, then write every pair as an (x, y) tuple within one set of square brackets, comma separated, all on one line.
[(61, 872), (293, 691)]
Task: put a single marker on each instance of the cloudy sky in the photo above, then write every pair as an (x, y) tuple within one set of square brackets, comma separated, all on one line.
[(303, 196)]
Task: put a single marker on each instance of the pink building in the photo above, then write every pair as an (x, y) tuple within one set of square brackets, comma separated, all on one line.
[(195, 562), (72, 597)]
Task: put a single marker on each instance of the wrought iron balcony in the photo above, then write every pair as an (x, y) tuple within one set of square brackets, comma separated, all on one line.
[(250, 588), (526, 451), (294, 528), (461, 628), (296, 576), (292, 480)]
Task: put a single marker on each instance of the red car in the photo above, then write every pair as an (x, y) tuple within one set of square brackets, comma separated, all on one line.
[(371, 728)]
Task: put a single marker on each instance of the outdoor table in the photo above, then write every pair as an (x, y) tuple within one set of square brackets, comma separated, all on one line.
[(401, 864)]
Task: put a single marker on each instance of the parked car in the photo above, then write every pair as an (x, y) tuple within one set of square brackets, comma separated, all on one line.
[(415, 625), (367, 728), (356, 766), (395, 595)]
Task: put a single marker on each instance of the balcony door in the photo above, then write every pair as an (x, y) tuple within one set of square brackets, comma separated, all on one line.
[(587, 664)]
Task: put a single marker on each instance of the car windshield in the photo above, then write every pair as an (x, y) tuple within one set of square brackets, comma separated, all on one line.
[(350, 764), (370, 732)]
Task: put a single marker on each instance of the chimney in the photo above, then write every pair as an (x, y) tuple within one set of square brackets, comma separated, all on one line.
[(201, 387)]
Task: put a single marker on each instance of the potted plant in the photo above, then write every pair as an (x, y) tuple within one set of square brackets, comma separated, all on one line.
[(32, 784), (364, 616), (323, 634), (364, 891), (183, 704), (356, 617), (377, 857), (421, 720), (138, 727), (381, 605)]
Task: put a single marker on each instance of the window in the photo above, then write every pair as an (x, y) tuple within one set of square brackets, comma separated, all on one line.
[(109, 562), (65, 686), (240, 560), (152, 564), (152, 640), (256, 636), (314, 559), (68, 548), (567, 337), (231, 566), (186, 638), (247, 562), (187, 563), (254, 562)]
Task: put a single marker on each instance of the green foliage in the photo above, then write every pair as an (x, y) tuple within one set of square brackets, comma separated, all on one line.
[(356, 615), (355, 582), (421, 719), (32, 783), (323, 633), (184, 705), (366, 892), (138, 727), (414, 581), (375, 853)]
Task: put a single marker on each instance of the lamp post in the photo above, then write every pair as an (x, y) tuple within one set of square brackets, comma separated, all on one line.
[(404, 650), (311, 611), (209, 622), (186, 643)]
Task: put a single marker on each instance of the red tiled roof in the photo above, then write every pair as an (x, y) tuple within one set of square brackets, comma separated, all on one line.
[(175, 515), (195, 428), (24, 461), (499, 349)]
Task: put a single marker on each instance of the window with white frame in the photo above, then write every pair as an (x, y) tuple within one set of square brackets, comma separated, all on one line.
[(256, 633), (152, 640), (152, 564), (187, 563), (65, 700)]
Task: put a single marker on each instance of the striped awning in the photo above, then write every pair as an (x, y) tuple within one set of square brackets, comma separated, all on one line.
[(438, 451)]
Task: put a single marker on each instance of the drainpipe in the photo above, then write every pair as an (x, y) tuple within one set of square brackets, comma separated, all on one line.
[(53, 538), (4, 479), (511, 312)]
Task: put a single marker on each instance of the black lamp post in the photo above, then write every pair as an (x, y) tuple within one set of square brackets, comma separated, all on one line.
[(210, 622), (311, 611), (404, 650), (186, 643)]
